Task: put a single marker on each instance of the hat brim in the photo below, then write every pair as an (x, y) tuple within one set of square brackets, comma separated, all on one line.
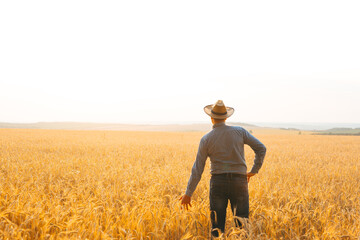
[(208, 108)]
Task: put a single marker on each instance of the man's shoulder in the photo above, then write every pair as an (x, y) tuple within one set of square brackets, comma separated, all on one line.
[(206, 136), (214, 132), (236, 128)]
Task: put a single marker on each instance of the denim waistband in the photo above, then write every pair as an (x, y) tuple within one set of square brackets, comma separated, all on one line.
[(229, 175)]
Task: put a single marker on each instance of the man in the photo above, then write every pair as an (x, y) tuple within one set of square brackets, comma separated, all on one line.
[(229, 177)]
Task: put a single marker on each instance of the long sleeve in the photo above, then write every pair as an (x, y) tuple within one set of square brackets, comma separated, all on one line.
[(259, 149), (197, 169)]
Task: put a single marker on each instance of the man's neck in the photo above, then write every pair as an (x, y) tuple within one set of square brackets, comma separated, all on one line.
[(218, 121), (218, 124)]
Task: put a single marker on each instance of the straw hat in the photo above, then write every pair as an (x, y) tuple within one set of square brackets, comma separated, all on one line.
[(218, 110)]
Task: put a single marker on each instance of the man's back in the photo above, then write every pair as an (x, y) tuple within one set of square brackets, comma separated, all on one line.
[(225, 147)]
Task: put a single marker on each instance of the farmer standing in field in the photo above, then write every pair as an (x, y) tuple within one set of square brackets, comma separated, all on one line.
[(229, 177)]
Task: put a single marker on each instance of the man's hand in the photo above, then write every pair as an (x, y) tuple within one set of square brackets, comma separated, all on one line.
[(185, 200), (249, 175)]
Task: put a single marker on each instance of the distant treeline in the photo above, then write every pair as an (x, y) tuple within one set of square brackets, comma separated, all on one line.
[(340, 131), (338, 134)]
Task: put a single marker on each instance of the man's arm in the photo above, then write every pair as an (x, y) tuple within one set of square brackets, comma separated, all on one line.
[(259, 149), (197, 169)]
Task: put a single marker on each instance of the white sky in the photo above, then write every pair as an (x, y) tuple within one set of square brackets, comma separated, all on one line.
[(151, 61)]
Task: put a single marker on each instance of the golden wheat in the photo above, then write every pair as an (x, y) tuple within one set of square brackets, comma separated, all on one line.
[(59, 184)]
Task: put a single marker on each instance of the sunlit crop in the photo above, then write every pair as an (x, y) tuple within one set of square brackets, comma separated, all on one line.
[(57, 184)]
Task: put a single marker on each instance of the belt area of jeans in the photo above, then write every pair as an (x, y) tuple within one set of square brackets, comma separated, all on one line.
[(230, 175)]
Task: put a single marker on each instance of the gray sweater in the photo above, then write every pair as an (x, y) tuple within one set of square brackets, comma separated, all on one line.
[(225, 147)]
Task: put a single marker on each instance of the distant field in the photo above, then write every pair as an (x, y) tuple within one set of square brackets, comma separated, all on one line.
[(62, 184)]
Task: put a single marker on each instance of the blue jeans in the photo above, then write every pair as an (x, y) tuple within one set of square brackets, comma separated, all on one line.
[(224, 187)]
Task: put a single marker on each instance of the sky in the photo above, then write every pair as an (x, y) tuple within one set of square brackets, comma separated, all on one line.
[(163, 61)]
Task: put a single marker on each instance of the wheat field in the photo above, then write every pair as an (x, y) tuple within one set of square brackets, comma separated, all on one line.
[(58, 184)]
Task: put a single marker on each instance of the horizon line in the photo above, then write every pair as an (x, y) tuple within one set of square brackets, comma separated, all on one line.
[(178, 122)]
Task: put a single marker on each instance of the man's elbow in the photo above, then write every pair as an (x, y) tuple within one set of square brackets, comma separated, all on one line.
[(263, 149)]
